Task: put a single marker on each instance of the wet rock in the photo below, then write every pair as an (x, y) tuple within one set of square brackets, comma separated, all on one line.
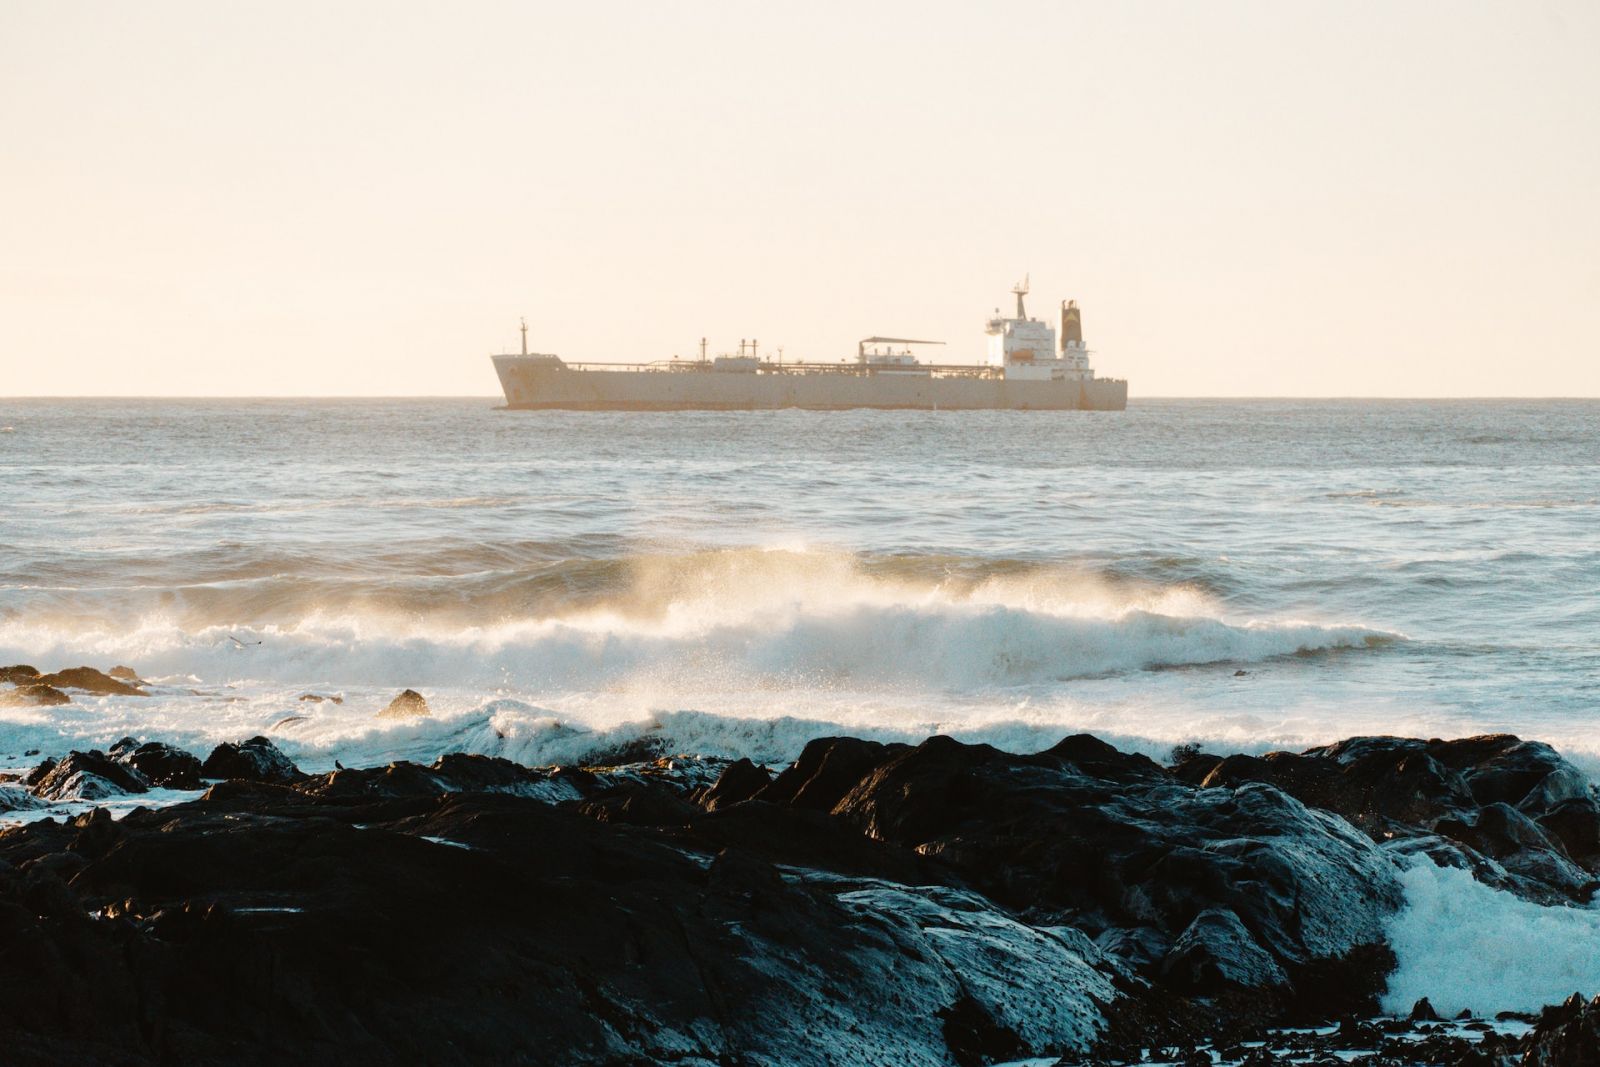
[(1565, 1036), (292, 927), (318, 698), (739, 781), (1513, 812), (254, 760), (408, 705), (19, 674), (1422, 1012), (124, 674), (455, 772), (37, 774), (1085, 834), (640, 804), (1215, 952), (826, 770), (87, 776), (33, 695), (163, 765), (89, 680)]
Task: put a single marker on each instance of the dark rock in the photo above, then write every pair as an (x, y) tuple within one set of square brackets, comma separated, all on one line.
[(873, 903), (973, 1036), (272, 926), (1422, 1012), (1083, 833), (455, 772), (740, 781), (317, 698), (1216, 952), (1512, 812), (255, 760), (1565, 1036), (33, 695), (89, 680), (19, 674), (87, 776), (408, 705), (163, 765), (827, 769), (124, 674), (640, 804), (37, 775)]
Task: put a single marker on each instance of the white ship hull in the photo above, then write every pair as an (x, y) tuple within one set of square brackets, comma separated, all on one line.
[(547, 382)]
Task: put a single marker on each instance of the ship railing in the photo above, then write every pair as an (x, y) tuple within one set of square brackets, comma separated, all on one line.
[(852, 369)]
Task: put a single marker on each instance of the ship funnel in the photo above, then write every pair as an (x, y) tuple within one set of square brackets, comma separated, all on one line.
[(1071, 324)]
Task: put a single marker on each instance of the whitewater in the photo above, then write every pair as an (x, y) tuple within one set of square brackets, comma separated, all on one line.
[(1240, 575)]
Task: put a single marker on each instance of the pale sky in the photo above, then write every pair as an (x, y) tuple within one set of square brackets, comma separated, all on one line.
[(1247, 198)]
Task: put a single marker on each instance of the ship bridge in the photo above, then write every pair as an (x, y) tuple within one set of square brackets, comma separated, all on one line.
[(1026, 348)]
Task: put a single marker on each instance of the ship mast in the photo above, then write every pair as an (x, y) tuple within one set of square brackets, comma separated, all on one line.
[(524, 336), (1021, 290)]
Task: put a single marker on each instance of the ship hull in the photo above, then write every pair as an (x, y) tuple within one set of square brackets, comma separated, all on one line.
[(534, 383)]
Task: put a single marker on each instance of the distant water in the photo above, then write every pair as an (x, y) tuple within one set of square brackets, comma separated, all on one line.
[(1247, 575)]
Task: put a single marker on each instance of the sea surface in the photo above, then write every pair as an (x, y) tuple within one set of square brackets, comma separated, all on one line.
[(562, 587), (1244, 575)]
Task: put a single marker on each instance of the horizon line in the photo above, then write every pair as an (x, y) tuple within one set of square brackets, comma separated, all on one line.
[(494, 397)]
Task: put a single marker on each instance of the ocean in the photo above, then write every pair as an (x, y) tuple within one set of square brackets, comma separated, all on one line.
[(565, 587), (1242, 575)]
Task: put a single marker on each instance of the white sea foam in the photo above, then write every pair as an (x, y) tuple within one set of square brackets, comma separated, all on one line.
[(787, 619), (741, 652), (1464, 945)]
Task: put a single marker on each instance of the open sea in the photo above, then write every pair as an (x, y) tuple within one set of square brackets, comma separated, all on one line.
[(1245, 575)]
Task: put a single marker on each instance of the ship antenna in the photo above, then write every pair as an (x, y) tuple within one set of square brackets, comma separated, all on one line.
[(524, 336), (1021, 289), (702, 350)]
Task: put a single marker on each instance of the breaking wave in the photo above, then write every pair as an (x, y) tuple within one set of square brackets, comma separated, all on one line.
[(742, 618), (1467, 946)]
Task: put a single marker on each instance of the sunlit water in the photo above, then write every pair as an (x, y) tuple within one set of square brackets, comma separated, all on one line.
[(738, 583)]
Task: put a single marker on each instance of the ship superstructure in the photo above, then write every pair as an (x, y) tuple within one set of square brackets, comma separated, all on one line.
[(1028, 365)]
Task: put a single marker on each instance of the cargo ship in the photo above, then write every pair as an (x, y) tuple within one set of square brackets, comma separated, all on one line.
[(1028, 366)]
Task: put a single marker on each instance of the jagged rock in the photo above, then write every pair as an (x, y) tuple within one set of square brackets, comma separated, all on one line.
[(1422, 1012), (19, 674), (739, 781), (89, 680), (455, 772), (1089, 836), (292, 927), (37, 774), (162, 764), (408, 705), (1216, 952), (255, 760), (826, 770), (640, 804), (14, 798), (1511, 811), (33, 695), (941, 904), (1565, 1036), (87, 776)]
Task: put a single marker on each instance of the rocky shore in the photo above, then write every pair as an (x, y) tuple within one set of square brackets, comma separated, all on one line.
[(936, 904)]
